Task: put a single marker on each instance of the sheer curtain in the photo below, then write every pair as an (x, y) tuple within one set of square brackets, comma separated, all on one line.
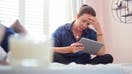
[(61, 12), (40, 17), (72, 8), (8, 11), (57, 14), (34, 14)]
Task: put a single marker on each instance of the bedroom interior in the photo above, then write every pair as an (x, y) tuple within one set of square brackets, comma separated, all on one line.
[(117, 34)]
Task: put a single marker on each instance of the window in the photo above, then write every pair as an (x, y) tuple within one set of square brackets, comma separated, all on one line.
[(39, 16), (9, 11), (63, 12), (34, 16), (57, 14)]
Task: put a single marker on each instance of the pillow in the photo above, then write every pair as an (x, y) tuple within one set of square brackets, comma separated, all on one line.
[(18, 28), (2, 32)]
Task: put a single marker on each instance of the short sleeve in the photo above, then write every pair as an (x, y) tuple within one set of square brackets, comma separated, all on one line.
[(57, 38)]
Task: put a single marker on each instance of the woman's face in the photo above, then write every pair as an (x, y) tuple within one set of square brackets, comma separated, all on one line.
[(82, 22)]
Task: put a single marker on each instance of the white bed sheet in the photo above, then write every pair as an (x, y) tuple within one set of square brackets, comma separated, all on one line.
[(56, 68)]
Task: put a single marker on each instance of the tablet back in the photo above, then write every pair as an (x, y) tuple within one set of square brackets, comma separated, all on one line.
[(91, 46)]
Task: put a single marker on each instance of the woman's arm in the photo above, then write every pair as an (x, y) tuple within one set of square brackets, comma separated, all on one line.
[(73, 48), (62, 50), (100, 38)]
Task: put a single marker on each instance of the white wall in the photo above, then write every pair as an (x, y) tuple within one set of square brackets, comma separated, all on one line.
[(118, 36)]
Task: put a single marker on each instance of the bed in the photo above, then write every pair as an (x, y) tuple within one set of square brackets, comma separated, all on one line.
[(56, 68)]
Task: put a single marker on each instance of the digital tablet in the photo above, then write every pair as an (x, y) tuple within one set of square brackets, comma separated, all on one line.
[(90, 46)]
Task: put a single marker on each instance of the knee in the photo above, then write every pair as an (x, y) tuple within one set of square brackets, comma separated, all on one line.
[(109, 57), (60, 58)]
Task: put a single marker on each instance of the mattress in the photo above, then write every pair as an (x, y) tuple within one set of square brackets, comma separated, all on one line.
[(56, 68)]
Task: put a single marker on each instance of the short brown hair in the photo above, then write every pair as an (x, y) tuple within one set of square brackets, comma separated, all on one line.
[(86, 9)]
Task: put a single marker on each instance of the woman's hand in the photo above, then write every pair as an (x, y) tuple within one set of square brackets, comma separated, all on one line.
[(76, 47), (93, 21)]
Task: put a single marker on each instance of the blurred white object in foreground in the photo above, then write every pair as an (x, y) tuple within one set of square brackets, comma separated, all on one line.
[(27, 51), (2, 54)]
